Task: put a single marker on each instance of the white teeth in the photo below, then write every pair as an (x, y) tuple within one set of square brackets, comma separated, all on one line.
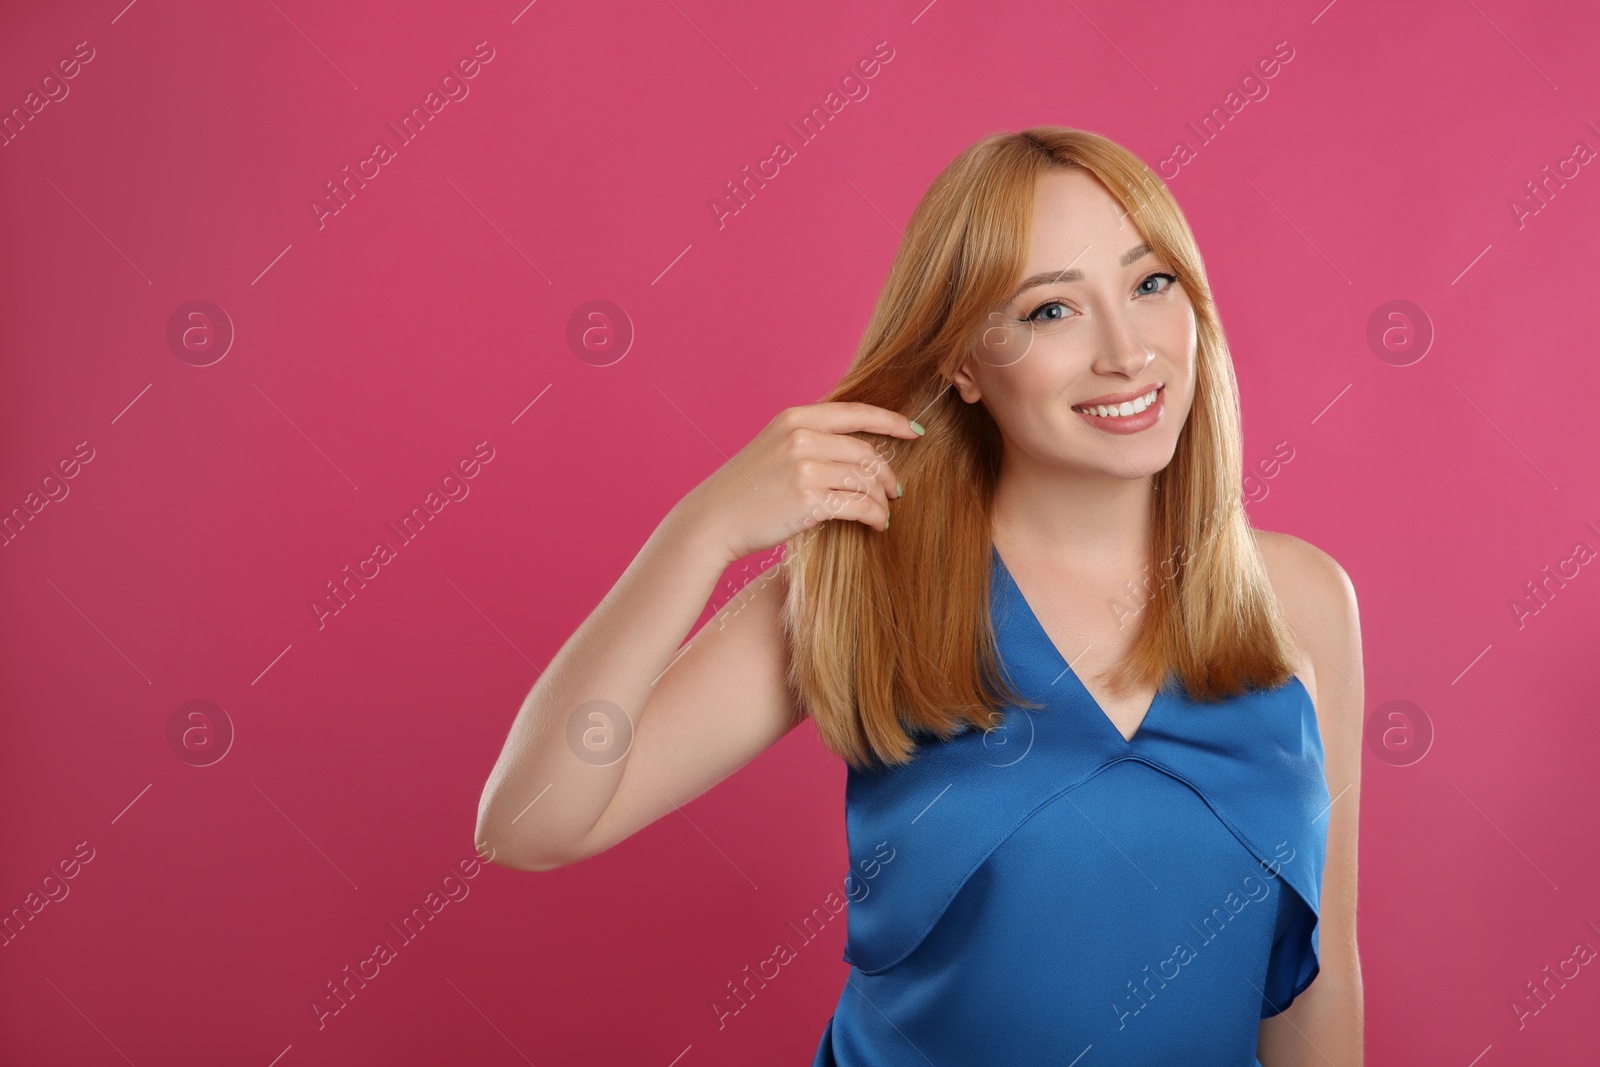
[(1127, 407)]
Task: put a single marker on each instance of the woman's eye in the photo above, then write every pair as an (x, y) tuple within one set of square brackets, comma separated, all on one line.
[(1057, 305), (1053, 311)]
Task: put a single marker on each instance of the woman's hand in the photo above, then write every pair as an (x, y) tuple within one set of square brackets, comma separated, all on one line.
[(802, 469)]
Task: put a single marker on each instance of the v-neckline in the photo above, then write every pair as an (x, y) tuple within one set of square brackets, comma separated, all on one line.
[(1064, 666)]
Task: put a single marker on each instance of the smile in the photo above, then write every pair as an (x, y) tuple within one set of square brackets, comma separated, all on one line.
[(1127, 417), (1122, 410)]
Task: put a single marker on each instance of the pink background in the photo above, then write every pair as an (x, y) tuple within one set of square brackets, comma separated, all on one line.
[(373, 352)]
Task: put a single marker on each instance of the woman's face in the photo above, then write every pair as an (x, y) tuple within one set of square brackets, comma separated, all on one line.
[(1098, 315)]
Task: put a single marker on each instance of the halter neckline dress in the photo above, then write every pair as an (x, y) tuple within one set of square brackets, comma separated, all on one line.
[(1054, 893)]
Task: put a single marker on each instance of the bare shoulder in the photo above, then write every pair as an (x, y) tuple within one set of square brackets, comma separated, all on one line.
[(1303, 573), (1319, 601)]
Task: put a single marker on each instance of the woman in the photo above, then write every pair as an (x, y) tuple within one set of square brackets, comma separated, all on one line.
[(1103, 738)]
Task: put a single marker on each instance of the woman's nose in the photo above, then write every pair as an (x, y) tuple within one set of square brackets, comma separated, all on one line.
[(1121, 350)]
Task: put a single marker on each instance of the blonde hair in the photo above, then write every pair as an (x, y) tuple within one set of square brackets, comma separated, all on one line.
[(890, 633)]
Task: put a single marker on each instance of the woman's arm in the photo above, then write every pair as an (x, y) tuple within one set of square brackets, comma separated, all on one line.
[(543, 796), (1324, 1025), (569, 782)]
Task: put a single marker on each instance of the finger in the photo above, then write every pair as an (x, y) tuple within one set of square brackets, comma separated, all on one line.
[(847, 483), (865, 508), (870, 460), (848, 416), (871, 464)]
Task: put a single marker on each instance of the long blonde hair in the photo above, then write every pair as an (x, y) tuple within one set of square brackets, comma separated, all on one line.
[(889, 633)]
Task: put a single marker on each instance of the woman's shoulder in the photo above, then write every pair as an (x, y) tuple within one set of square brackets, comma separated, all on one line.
[(1316, 595), (1303, 575)]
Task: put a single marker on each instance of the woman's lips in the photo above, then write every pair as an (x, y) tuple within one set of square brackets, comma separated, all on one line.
[(1129, 423)]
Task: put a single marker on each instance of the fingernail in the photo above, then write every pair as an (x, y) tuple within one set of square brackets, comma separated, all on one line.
[(886, 524), (917, 426), (898, 492)]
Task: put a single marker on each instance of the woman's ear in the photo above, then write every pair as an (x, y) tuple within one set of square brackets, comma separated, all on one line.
[(965, 383)]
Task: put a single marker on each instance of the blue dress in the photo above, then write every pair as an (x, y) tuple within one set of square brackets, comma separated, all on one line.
[(1051, 893)]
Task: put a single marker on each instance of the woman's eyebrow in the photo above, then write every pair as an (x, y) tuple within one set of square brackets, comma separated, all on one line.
[(1073, 274)]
